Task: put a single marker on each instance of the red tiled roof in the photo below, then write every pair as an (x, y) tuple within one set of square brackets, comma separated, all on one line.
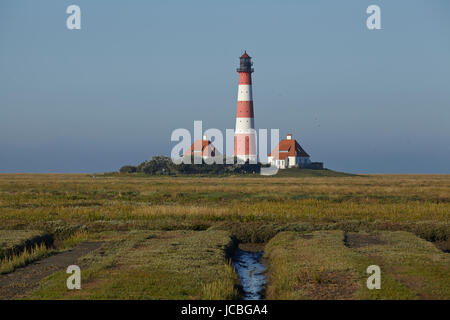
[(205, 147), (282, 156), (289, 148)]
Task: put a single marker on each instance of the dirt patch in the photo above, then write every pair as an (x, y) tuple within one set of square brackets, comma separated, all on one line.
[(330, 285), (358, 240), (18, 283)]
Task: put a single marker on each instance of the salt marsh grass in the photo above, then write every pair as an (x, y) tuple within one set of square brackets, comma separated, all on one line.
[(9, 264), (170, 237), (83, 199)]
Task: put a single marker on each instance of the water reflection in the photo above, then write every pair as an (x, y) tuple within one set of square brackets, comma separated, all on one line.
[(250, 270)]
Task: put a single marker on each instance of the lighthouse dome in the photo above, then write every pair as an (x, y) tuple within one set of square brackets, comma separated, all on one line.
[(245, 55)]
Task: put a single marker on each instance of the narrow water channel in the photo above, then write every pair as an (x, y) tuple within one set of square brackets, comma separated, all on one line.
[(251, 273)]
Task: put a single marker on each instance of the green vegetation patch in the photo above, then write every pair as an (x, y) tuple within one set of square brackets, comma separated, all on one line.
[(332, 265), (152, 265), (300, 172), (36, 201), (415, 262)]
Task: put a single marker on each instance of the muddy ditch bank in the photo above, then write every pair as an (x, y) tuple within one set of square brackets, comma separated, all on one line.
[(28, 244)]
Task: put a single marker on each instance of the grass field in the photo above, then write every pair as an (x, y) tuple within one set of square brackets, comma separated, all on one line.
[(332, 265), (152, 265), (138, 219)]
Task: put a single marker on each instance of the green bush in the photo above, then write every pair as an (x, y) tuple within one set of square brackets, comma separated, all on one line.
[(161, 165), (128, 169)]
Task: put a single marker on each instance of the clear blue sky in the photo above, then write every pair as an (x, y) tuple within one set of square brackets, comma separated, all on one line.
[(91, 100)]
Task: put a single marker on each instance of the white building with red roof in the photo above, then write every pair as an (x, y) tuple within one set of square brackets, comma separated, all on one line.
[(203, 148), (289, 154)]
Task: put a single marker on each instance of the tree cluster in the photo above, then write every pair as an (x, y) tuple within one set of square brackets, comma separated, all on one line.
[(161, 165)]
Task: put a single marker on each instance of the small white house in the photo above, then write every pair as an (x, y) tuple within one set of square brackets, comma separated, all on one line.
[(203, 149), (289, 154)]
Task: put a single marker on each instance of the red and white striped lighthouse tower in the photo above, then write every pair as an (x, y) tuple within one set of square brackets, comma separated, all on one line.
[(245, 134)]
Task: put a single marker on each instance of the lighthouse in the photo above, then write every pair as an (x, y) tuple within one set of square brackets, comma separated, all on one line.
[(245, 134)]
